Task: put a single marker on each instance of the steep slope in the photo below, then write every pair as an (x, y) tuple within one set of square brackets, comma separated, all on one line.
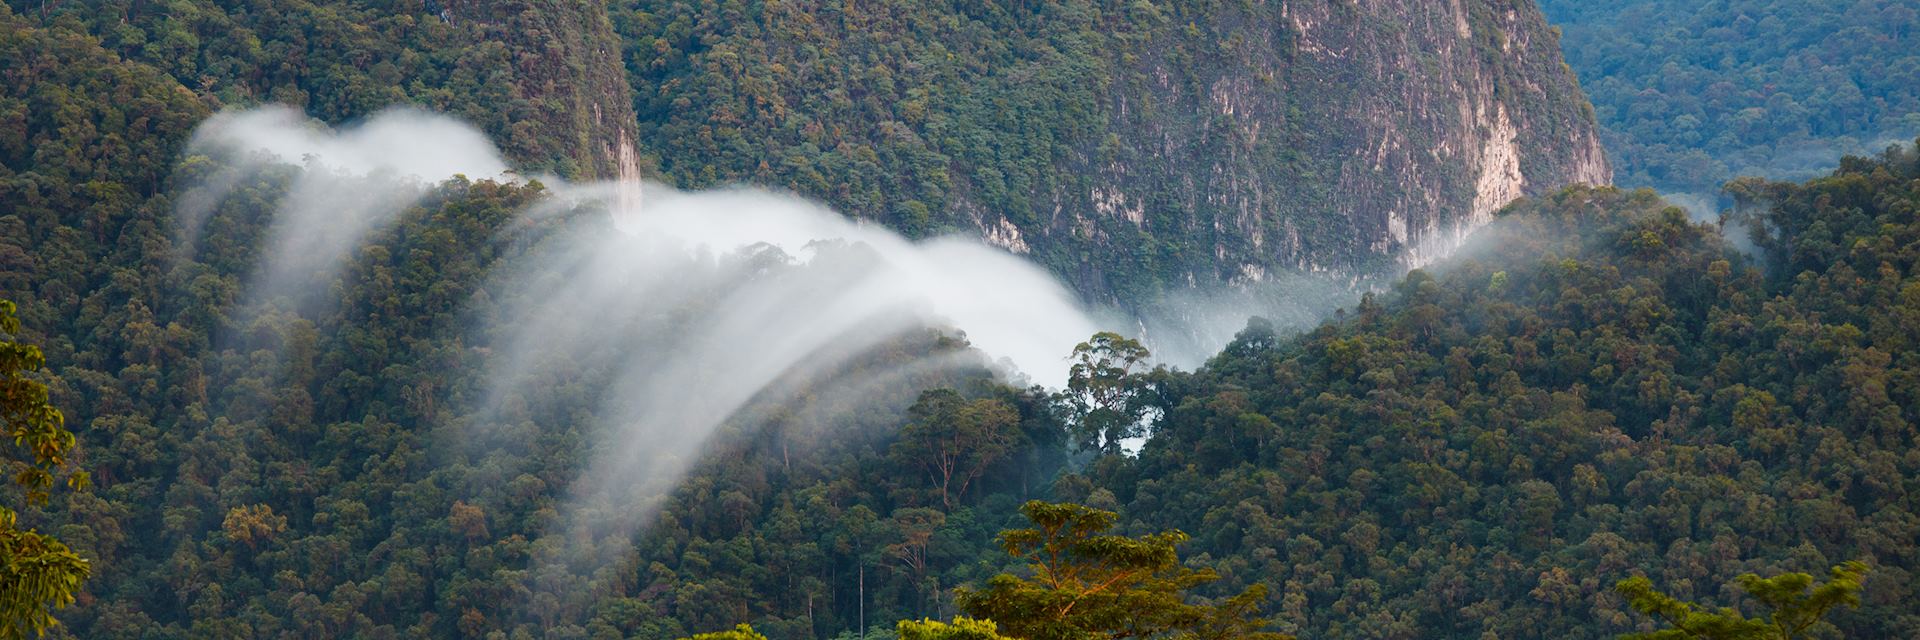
[(87, 141), (1128, 145), (541, 76)]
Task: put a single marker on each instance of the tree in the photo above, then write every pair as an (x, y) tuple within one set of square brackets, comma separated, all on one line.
[(37, 573), (1795, 603), (1104, 391), (917, 526), (742, 631), (961, 628), (252, 525), (955, 440), (1089, 585)]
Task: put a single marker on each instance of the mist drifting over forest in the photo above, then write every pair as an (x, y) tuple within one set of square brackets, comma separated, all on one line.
[(679, 320)]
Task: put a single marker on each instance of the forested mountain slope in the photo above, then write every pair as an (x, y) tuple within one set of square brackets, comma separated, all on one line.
[(1595, 388), (1692, 94), (1127, 145), (1599, 389), (542, 77)]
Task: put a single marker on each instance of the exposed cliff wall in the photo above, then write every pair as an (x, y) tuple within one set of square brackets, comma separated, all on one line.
[(1328, 134), (565, 64), (1129, 145)]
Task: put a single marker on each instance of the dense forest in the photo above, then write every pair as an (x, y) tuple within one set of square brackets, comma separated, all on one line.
[(1692, 94), (1129, 146), (540, 77), (1595, 389), (1598, 389)]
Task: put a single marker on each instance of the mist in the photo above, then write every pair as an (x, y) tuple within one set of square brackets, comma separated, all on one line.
[(681, 315), (351, 182), (666, 321), (694, 306), (1186, 327)]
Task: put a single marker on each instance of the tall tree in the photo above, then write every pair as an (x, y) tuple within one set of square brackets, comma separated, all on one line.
[(37, 573), (1104, 389), (955, 440)]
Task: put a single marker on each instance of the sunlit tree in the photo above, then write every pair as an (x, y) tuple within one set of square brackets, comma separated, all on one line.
[(37, 573), (1087, 584), (1795, 606), (960, 629)]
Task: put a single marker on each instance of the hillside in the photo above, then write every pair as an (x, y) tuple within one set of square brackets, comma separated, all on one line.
[(1597, 387), (1593, 388), (540, 76), (1693, 94), (1126, 145)]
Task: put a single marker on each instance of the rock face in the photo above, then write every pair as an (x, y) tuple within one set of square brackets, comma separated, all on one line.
[(1342, 135), (566, 67), (1131, 145)]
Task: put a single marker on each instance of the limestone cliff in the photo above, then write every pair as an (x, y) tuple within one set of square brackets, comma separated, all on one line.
[(566, 66), (1128, 145), (1329, 134)]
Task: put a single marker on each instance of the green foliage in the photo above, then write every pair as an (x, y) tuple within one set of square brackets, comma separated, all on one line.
[(955, 440), (543, 78), (1599, 388), (962, 628), (1795, 606), (36, 435), (1087, 583), (1456, 459), (37, 575), (1693, 94), (37, 572), (741, 631)]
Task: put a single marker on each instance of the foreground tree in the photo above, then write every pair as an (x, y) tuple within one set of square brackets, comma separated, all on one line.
[(742, 631), (1796, 605), (37, 573), (1089, 585), (960, 629)]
